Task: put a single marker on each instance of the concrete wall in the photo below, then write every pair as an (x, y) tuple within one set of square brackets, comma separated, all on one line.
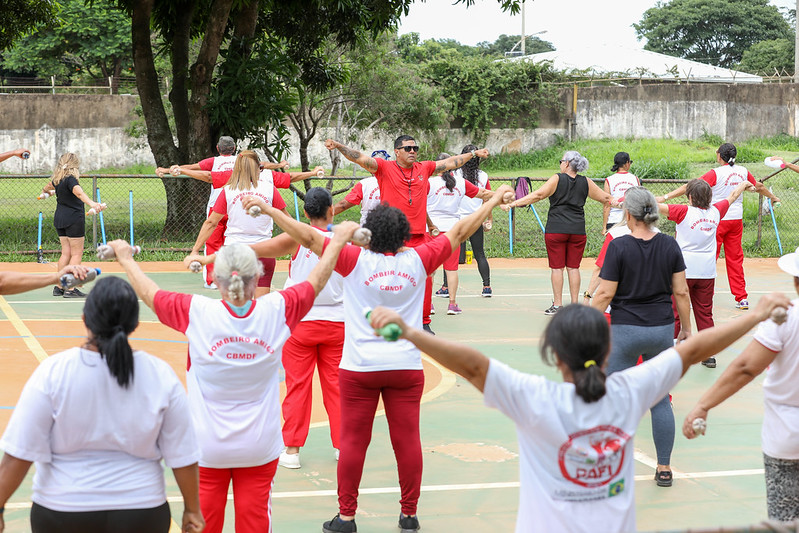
[(93, 126)]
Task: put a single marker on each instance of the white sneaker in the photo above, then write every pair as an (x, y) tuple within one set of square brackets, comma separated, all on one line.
[(289, 460), (211, 286), (337, 453)]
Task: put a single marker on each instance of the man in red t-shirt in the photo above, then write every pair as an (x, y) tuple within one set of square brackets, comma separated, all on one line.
[(404, 184)]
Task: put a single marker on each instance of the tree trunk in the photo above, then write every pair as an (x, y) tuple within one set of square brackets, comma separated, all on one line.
[(179, 93)]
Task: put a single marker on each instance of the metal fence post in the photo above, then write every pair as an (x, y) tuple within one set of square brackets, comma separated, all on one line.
[(94, 219)]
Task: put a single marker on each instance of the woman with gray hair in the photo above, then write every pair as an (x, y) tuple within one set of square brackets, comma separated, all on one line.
[(640, 274), (565, 230), (235, 348)]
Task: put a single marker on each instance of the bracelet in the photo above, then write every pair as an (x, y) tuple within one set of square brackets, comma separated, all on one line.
[(587, 294), (474, 154)]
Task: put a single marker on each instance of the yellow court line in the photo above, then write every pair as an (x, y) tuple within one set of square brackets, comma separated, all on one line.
[(22, 329)]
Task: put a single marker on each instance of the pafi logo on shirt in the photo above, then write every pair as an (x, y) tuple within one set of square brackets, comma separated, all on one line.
[(592, 458)]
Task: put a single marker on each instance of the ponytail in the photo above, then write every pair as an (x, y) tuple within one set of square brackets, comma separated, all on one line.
[(589, 383), (449, 179), (111, 313)]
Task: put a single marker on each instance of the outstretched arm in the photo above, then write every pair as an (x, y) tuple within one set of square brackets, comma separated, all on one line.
[(760, 188), (342, 233), (709, 342), (459, 358), (302, 233), (738, 191), (299, 176), (17, 282), (145, 287), (544, 191), (202, 175), (676, 193), (341, 205), (457, 161), (746, 367), (18, 152), (469, 224), (595, 193), (368, 163)]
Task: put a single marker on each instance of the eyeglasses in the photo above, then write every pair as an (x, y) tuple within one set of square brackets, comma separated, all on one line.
[(562, 161), (409, 148)]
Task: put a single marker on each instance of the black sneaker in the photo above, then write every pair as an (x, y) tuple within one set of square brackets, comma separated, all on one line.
[(58, 291), (337, 525), (486, 292), (74, 293), (443, 292), (408, 524), (428, 329), (710, 362), (553, 310)]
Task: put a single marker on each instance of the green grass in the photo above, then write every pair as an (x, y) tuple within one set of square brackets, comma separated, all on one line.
[(653, 159)]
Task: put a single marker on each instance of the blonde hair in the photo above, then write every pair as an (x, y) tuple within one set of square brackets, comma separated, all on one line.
[(236, 270), (67, 164), (245, 171)]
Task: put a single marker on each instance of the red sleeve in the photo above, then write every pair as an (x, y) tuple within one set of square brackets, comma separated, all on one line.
[(220, 179), (347, 259), (471, 189), (381, 168), (600, 259), (488, 184), (206, 164), (221, 204), (751, 178), (709, 177), (277, 200), (282, 180), (355, 196), (434, 253), (299, 300), (677, 212), (172, 309), (722, 206), (428, 168)]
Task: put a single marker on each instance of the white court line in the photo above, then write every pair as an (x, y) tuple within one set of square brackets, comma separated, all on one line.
[(450, 488)]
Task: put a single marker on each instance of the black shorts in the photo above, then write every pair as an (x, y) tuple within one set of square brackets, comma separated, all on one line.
[(76, 230), (155, 520)]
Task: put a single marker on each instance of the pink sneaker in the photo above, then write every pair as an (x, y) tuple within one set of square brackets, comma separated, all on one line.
[(453, 309)]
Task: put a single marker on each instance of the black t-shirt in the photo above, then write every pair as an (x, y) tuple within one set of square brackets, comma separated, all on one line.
[(643, 270), (566, 213), (69, 208)]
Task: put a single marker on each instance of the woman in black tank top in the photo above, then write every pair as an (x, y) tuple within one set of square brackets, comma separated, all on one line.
[(565, 230)]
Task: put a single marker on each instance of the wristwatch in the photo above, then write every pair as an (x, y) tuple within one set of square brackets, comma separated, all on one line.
[(587, 294), (474, 153)]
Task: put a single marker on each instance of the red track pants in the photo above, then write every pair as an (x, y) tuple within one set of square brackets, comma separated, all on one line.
[(212, 245), (417, 239), (313, 344), (729, 235), (401, 391), (252, 497)]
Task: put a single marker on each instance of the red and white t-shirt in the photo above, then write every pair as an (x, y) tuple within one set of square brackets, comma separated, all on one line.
[(780, 434), (393, 281), (281, 180), (618, 184), (724, 180), (443, 205), (696, 235), (221, 167), (329, 303), (406, 189), (234, 362), (241, 227), (367, 193), (470, 205), (576, 461)]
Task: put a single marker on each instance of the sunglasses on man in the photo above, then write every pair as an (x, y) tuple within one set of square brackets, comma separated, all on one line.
[(409, 148)]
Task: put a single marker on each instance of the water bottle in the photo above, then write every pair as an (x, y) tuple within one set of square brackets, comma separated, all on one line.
[(390, 332), (361, 237), (773, 163), (93, 211), (69, 281), (45, 195)]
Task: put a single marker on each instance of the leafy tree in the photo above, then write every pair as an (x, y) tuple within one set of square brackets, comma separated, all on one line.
[(487, 92), (506, 43), (86, 39), (711, 31), (18, 17), (769, 57)]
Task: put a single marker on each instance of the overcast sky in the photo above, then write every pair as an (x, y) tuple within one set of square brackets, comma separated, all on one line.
[(567, 22)]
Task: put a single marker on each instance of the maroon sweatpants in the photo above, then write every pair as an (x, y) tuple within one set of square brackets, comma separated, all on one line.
[(401, 391), (701, 294)]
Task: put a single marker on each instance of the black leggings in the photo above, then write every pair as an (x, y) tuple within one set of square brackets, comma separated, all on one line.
[(476, 240), (154, 520)]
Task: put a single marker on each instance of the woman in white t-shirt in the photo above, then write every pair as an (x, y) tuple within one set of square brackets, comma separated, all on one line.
[(98, 420), (233, 372), (246, 180), (576, 438), (616, 185), (775, 350), (388, 273), (444, 199)]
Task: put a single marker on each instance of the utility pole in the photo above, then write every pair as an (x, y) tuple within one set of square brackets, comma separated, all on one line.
[(796, 46), (524, 52)]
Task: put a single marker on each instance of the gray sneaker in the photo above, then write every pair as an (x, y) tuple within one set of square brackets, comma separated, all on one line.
[(553, 310), (408, 524), (74, 293)]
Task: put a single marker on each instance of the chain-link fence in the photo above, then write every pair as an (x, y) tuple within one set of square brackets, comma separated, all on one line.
[(137, 209)]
